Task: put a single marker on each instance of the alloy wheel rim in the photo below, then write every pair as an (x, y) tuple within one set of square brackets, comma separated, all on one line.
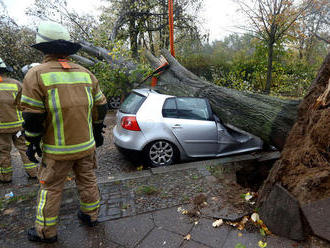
[(161, 153)]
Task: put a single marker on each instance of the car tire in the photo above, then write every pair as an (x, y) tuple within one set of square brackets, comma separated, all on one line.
[(160, 153)]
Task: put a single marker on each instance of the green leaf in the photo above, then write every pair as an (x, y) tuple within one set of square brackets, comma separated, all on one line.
[(239, 245), (262, 232)]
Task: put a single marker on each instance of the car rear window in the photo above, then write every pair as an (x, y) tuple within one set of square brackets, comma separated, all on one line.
[(132, 103)]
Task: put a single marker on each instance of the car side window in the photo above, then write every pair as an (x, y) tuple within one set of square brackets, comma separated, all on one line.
[(169, 109), (192, 108)]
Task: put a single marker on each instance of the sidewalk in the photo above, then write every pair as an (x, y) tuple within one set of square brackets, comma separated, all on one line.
[(140, 209)]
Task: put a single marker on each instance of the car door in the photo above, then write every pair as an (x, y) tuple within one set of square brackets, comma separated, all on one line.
[(191, 122)]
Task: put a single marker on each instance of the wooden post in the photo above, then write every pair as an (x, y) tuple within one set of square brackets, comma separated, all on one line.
[(171, 26)]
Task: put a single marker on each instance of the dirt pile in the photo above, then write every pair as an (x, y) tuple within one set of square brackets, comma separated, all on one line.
[(304, 167)]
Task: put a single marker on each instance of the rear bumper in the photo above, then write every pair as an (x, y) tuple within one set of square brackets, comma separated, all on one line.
[(130, 140)]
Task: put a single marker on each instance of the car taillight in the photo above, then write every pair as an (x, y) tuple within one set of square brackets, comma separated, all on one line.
[(130, 123)]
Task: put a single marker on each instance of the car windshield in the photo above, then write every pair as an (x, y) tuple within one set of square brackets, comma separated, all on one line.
[(132, 103)]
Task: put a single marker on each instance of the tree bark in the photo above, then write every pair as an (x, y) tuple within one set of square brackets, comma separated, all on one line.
[(268, 117), (269, 67)]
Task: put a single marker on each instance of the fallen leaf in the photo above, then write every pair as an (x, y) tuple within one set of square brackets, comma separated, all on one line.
[(262, 232), (232, 223), (184, 212), (187, 237), (255, 217), (140, 168), (217, 223), (245, 219), (248, 196), (240, 227), (9, 211), (262, 244), (239, 245), (239, 234)]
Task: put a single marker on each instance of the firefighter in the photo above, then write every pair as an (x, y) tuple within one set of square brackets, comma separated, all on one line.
[(63, 111), (11, 126)]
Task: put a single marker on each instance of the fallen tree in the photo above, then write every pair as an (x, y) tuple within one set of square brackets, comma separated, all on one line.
[(267, 117)]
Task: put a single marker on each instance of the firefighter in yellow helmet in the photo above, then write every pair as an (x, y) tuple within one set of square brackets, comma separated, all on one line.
[(11, 126), (64, 108)]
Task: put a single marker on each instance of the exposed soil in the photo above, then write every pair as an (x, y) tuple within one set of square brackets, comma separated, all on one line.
[(304, 168)]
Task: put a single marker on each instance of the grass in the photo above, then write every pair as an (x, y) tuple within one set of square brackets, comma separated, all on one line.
[(147, 190), (4, 202), (195, 177), (117, 182), (219, 170), (125, 206)]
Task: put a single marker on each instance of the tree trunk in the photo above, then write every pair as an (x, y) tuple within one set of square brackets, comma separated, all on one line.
[(133, 37), (267, 117), (269, 67)]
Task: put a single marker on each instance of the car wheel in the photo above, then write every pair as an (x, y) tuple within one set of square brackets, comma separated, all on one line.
[(114, 102), (160, 153)]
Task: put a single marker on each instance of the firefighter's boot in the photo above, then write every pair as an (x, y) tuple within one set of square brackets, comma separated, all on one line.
[(86, 219), (33, 236)]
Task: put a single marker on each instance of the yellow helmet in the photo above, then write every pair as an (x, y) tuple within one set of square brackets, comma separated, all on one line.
[(54, 38)]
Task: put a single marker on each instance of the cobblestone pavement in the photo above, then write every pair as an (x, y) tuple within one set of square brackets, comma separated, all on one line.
[(140, 210)]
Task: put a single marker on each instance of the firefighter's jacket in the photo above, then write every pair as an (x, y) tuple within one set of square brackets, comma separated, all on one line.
[(69, 98), (10, 117)]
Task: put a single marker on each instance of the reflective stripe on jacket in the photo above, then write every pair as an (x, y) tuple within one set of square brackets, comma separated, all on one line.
[(68, 97), (10, 116)]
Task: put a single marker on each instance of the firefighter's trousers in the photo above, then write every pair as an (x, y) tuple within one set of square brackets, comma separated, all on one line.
[(52, 175), (6, 169)]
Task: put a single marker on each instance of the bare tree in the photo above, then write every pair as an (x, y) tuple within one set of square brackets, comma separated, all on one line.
[(312, 30), (144, 22), (270, 21)]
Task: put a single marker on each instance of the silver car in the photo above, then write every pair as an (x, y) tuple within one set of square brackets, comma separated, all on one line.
[(165, 129)]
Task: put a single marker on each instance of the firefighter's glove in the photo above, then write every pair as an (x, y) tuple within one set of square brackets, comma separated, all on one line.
[(31, 152), (98, 133)]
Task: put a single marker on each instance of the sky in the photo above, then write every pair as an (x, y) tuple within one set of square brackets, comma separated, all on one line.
[(218, 17)]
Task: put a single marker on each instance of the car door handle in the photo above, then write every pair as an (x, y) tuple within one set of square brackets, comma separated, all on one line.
[(177, 126)]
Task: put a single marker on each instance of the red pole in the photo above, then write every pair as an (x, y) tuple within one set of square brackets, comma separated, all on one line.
[(171, 26)]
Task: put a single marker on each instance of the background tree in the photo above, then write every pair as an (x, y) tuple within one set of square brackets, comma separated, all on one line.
[(15, 42), (270, 21), (81, 27), (145, 23)]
